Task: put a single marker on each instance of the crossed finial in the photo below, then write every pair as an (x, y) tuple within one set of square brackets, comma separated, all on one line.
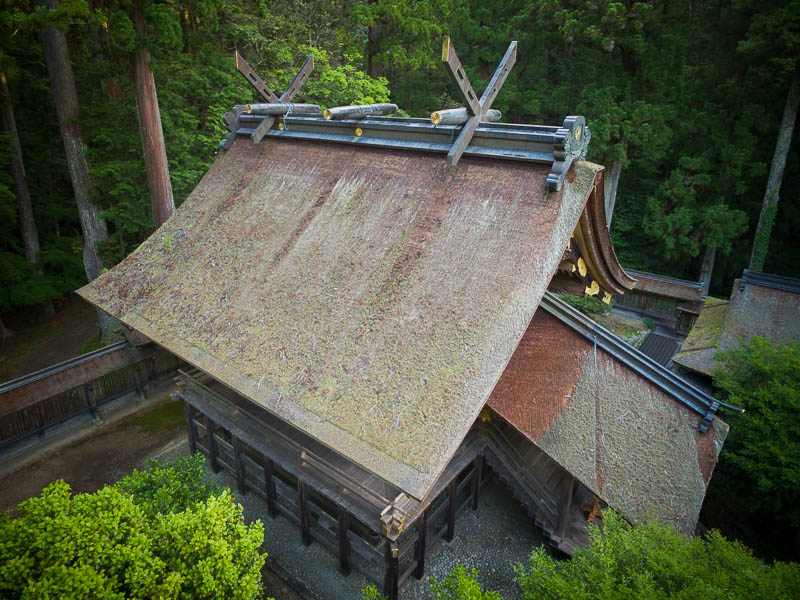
[(232, 119), (477, 107)]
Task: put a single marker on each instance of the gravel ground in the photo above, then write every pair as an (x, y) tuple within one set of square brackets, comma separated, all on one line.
[(490, 540)]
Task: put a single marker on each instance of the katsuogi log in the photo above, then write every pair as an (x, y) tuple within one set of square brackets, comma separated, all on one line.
[(283, 108), (359, 111), (458, 116)]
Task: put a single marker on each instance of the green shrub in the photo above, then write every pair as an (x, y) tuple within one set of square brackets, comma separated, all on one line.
[(588, 305), (655, 562), (169, 487), (113, 544), (461, 584), (761, 457)]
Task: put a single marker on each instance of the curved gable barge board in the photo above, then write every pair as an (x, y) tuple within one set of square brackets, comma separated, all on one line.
[(670, 287), (345, 289), (595, 245)]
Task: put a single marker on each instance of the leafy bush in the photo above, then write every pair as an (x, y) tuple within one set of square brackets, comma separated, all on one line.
[(169, 487), (461, 584), (588, 305), (114, 544), (655, 562)]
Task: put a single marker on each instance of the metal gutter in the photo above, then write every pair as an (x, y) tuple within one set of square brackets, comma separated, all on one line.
[(531, 143), (777, 282), (62, 366), (679, 388)]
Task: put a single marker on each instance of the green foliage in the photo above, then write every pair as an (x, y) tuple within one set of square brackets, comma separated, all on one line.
[(461, 584), (169, 487), (112, 544), (588, 305), (655, 562), (761, 456), (371, 593)]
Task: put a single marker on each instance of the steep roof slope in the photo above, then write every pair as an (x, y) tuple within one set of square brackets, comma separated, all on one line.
[(620, 424), (371, 297)]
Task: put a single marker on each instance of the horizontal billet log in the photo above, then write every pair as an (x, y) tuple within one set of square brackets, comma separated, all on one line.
[(360, 111), (459, 116), (282, 108)]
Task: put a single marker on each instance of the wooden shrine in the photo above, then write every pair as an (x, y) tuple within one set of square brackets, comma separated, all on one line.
[(371, 333)]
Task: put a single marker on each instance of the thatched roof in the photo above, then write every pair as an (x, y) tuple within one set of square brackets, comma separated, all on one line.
[(762, 305), (371, 297), (631, 439)]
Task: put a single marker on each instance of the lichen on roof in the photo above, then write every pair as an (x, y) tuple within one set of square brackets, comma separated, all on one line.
[(370, 297)]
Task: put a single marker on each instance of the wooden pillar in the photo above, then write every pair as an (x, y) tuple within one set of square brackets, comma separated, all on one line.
[(137, 377), (391, 578), (344, 541), (305, 517), (566, 506), (91, 399), (212, 444), (238, 465), (477, 476), (269, 484), (419, 550), (452, 499), (190, 426)]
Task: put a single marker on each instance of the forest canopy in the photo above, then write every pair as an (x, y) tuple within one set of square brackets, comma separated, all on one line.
[(684, 100)]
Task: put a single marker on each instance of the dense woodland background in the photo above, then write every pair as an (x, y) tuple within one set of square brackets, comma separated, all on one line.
[(684, 98)]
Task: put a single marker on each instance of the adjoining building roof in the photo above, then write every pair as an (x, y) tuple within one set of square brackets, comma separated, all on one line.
[(760, 304), (371, 297), (670, 287), (659, 347), (627, 428)]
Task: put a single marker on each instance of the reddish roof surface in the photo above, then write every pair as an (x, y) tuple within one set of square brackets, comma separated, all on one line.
[(371, 297), (626, 439)]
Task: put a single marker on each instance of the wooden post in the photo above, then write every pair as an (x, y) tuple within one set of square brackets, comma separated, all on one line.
[(91, 399), (190, 426), (137, 377), (305, 517), (566, 506), (477, 475), (392, 575), (212, 444), (419, 551), (269, 484), (452, 500), (344, 541), (238, 465)]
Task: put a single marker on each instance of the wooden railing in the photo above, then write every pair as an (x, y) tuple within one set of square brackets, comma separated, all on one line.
[(33, 403)]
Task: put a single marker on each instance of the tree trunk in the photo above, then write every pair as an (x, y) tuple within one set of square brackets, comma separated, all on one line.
[(611, 185), (374, 68), (707, 268), (4, 331), (30, 236), (93, 226), (769, 206), (155, 152)]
